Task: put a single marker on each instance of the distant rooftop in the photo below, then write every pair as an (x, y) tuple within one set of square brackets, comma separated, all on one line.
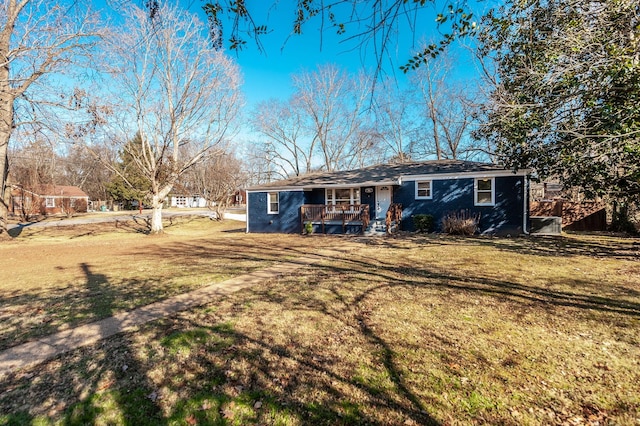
[(55, 190)]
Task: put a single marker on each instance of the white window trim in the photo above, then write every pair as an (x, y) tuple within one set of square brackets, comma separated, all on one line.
[(493, 191), (49, 202), (430, 196), (352, 199), (269, 211)]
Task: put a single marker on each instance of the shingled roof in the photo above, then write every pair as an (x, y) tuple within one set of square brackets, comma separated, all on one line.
[(381, 174), (55, 191)]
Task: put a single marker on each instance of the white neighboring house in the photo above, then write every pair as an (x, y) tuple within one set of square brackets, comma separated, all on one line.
[(188, 201)]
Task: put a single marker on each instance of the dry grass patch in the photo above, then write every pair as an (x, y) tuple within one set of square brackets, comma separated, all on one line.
[(411, 330), (60, 277)]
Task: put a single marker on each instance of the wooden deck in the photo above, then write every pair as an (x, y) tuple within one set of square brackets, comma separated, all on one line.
[(343, 214)]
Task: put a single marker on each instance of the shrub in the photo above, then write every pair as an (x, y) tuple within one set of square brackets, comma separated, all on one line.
[(308, 228), (463, 222), (423, 222), (621, 220)]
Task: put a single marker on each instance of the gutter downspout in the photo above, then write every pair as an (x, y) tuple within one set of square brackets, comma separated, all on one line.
[(246, 213), (525, 210)]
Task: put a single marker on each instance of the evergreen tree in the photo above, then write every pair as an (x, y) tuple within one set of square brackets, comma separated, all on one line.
[(129, 183), (567, 102)]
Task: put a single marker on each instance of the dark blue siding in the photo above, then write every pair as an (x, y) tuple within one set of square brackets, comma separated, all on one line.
[(336, 228), (370, 199), (316, 196), (286, 221), (506, 217)]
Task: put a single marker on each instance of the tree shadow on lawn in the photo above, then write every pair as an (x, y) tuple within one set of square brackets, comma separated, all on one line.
[(114, 381), (600, 246), (230, 250), (236, 255), (138, 407), (227, 371), (390, 277), (351, 312), (209, 388), (61, 381), (30, 316), (346, 263), (417, 276), (576, 244)]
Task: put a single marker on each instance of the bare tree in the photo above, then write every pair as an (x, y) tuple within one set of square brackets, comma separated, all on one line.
[(34, 164), (258, 166), (176, 91), (323, 125), (38, 38), (333, 102), (82, 169), (217, 178), (286, 147), (395, 114), (447, 110), (368, 148)]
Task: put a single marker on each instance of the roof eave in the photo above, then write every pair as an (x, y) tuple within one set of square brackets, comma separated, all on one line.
[(467, 174)]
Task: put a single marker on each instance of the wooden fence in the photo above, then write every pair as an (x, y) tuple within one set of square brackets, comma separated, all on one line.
[(584, 216)]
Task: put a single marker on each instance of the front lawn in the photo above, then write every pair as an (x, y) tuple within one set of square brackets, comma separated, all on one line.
[(407, 330)]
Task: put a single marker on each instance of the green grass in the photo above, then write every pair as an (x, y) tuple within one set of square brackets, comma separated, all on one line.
[(405, 330)]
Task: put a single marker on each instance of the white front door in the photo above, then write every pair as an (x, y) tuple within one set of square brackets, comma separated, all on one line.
[(383, 201)]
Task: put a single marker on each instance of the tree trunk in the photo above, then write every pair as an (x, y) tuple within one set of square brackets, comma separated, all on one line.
[(5, 134), (156, 215)]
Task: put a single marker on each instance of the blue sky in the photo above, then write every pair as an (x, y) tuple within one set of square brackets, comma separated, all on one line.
[(267, 74)]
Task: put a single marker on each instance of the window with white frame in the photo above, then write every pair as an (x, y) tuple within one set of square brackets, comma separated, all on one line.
[(485, 191), (342, 196), (181, 201), (273, 202), (423, 190), (50, 202)]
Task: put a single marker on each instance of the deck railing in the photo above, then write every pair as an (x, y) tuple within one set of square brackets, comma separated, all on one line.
[(345, 214)]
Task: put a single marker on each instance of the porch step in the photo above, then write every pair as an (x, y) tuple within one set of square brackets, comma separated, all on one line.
[(376, 227)]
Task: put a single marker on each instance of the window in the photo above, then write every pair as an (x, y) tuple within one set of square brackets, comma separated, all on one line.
[(181, 201), (50, 202), (273, 202), (484, 192), (17, 203), (340, 196), (423, 190)]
